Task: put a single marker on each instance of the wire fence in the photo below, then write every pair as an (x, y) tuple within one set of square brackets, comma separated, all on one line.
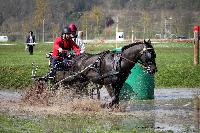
[(132, 30)]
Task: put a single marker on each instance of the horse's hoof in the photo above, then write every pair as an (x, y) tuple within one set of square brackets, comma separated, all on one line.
[(111, 104), (106, 105), (103, 105)]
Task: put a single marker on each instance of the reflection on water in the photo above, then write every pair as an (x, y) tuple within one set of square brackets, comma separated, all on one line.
[(8, 94), (171, 110), (167, 94)]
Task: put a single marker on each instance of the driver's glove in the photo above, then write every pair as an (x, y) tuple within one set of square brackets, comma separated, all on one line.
[(60, 50)]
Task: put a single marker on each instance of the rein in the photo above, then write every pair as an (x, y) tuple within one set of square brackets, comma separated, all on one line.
[(140, 63), (126, 59)]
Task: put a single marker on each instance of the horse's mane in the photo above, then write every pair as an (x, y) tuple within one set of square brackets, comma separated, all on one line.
[(130, 45), (100, 53)]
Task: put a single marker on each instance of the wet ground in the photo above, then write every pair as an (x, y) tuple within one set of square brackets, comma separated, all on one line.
[(171, 110)]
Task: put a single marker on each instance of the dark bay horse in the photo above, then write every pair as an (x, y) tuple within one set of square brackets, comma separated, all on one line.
[(112, 68)]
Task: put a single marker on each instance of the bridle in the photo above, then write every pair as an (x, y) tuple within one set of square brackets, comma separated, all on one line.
[(140, 62), (126, 59), (145, 49), (141, 52)]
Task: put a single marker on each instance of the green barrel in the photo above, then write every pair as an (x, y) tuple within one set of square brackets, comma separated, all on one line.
[(139, 84), (118, 49)]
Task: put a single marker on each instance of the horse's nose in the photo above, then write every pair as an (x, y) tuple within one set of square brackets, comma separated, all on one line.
[(152, 69)]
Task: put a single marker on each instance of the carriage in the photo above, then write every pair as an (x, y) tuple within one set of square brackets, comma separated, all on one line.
[(106, 68)]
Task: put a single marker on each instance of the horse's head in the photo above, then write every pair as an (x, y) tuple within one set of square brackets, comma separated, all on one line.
[(147, 57)]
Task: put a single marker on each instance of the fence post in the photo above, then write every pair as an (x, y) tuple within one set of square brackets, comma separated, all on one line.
[(196, 112), (196, 45)]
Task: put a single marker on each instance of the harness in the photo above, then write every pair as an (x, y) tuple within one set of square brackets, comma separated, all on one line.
[(118, 58), (97, 64), (117, 61), (116, 66), (142, 52)]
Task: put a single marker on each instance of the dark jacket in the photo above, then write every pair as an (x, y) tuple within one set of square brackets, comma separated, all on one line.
[(28, 40)]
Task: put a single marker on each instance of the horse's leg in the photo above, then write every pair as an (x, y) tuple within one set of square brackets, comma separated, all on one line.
[(91, 93), (98, 91), (115, 99), (97, 87), (113, 91), (110, 90)]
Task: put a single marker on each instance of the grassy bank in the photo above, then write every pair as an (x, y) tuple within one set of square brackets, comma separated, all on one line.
[(174, 61), (75, 123), (16, 64)]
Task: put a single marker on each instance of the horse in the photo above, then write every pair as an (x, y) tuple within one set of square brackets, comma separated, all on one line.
[(112, 68)]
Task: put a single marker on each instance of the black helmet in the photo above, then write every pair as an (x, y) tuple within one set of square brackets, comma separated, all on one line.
[(66, 30)]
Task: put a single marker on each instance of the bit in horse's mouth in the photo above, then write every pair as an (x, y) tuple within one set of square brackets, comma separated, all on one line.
[(152, 72)]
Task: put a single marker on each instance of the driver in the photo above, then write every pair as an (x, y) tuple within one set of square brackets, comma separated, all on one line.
[(62, 43)]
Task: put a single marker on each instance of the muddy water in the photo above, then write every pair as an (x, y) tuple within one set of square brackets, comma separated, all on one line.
[(171, 110)]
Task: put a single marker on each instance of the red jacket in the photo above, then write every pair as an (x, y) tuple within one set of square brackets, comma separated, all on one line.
[(65, 45)]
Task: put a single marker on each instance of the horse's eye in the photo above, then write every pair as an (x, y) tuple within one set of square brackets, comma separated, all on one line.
[(148, 55)]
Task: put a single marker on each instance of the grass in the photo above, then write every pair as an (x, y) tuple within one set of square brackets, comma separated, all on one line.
[(74, 123), (174, 62), (16, 64), (175, 66)]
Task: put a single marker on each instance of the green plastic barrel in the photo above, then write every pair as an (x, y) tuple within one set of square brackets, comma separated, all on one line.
[(139, 84), (118, 49)]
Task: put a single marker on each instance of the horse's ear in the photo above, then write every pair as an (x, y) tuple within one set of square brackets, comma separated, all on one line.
[(149, 41)]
